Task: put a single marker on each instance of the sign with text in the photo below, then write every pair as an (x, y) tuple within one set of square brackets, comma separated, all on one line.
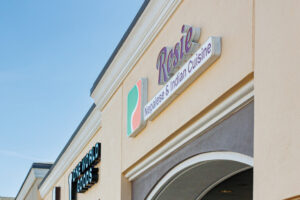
[(178, 67), (197, 64), (171, 59), (85, 175)]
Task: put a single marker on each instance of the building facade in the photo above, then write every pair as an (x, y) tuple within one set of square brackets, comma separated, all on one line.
[(29, 189), (198, 101)]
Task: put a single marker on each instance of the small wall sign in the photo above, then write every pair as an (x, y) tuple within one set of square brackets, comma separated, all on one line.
[(85, 175), (136, 100)]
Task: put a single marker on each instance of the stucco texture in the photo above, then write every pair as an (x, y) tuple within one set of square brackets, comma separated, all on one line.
[(231, 20), (110, 178), (277, 108), (33, 193)]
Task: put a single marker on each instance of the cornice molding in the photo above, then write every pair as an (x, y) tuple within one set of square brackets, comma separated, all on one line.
[(33, 175), (27, 185), (234, 102), (147, 27), (86, 132)]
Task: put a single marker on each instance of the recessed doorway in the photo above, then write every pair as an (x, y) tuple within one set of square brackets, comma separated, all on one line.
[(208, 176), (237, 187)]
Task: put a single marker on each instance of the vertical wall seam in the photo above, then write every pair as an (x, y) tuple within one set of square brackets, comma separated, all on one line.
[(253, 35), (122, 128), (253, 68)]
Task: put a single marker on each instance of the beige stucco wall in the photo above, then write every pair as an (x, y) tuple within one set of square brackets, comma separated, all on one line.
[(33, 193), (232, 20), (277, 108), (110, 179), (276, 79)]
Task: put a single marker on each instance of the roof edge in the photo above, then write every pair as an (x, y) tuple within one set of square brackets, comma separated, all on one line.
[(69, 141), (120, 44), (36, 166)]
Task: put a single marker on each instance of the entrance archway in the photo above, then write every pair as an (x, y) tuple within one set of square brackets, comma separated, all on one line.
[(205, 176), (237, 187)]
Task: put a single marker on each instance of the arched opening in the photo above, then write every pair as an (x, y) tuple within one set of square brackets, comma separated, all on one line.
[(208, 176), (237, 187)]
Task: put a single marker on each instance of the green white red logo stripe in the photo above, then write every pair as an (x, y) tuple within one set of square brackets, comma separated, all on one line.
[(136, 100)]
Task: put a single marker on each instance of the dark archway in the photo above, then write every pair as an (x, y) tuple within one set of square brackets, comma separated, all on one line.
[(208, 176), (237, 187)]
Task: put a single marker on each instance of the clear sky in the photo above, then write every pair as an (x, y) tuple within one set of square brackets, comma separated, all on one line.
[(51, 52)]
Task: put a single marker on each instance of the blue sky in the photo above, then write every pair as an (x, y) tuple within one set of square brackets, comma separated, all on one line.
[(51, 52)]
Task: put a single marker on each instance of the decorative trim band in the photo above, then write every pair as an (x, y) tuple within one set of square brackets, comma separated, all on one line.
[(200, 159), (34, 174), (238, 99), (148, 26), (87, 131)]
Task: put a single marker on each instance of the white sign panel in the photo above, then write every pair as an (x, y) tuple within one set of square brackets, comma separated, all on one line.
[(197, 64)]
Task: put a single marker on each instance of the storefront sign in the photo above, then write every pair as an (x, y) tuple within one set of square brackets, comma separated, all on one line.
[(136, 100), (170, 59), (197, 64), (177, 68), (85, 175)]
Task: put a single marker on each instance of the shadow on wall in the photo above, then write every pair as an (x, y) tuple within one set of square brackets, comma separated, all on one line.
[(293, 198)]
